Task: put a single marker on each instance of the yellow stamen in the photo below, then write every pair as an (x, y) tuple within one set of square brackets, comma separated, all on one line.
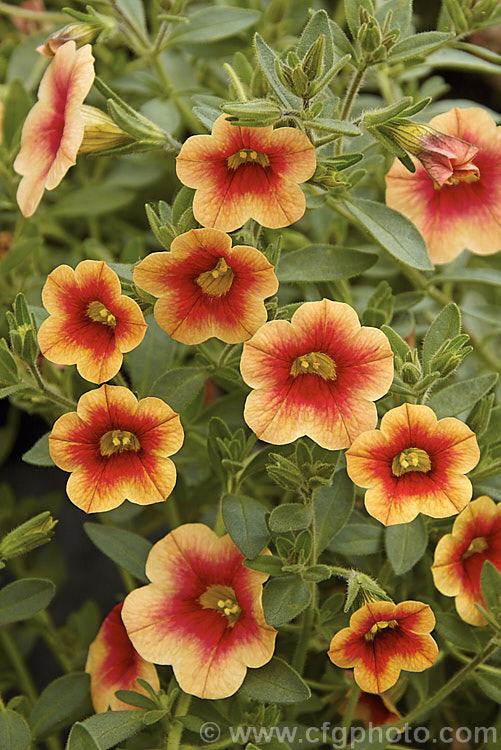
[(465, 176), (411, 459), (100, 314), (247, 156), (117, 441), (218, 281), (314, 363), (479, 544), (223, 600), (379, 625)]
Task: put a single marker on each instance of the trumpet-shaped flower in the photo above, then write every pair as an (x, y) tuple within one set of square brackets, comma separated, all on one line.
[(459, 556), (117, 448), (90, 323), (201, 613), (114, 664), (316, 376), (208, 288), (54, 128), (383, 638), (241, 173), (454, 196), (414, 464)]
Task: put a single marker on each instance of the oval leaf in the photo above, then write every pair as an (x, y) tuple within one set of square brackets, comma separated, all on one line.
[(284, 598), (63, 701), (24, 598), (179, 387), (125, 548), (244, 519), (357, 539), (39, 454), (14, 731), (323, 263), (276, 682), (461, 397), (290, 517), (405, 544), (332, 507)]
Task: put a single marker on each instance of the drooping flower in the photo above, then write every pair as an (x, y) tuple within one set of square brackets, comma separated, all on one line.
[(241, 173), (316, 376), (414, 464), (201, 613), (454, 196), (459, 556), (117, 448), (383, 638), (90, 323), (114, 664), (54, 127), (208, 288), (373, 709)]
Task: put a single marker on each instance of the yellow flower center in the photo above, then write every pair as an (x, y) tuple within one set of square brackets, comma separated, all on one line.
[(100, 314), (411, 459), (464, 175), (378, 626), (247, 156), (118, 441), (314, 363), (479, 544), (217, 282), (223, 600)]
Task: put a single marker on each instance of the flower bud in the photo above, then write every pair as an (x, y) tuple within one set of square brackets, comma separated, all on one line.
[(448, 160), (369, 35), (30, 534), (312, 61), (80, 33), (100, 132), (410, 373)]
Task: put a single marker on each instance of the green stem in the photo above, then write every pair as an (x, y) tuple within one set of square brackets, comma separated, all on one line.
[(57, 398), (172, 513), (15, 657), (51, 638), (447, 689), (301, 650), (350, 706), (225, 354), (351, 93), (235, 81), (176, 728), (33, 15)]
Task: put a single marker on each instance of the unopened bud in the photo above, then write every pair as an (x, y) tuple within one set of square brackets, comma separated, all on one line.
[(369, 35), (312, 61), (30, 534), (100, 131), (80, 33), (410, 373)]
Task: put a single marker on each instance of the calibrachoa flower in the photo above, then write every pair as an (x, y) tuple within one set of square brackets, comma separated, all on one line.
[(54, 128), (414, 464), (201, 613), (208, 288), (459, 556), (90, 323), (383, 638), (243, 173), (316, 376), (375, 710), (117, 448), (454, 197), (114, 664)]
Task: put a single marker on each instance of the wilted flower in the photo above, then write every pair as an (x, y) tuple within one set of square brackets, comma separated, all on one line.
[(414, 464), (201, 613), (454, 197), (208, 288), (460, 556), (80, 33), (241, 173), (383, 638), (316, 376)]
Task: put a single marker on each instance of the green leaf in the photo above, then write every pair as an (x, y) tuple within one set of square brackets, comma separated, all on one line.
[(393, 231), (266, 58), (456, 59), (462, 396), (284, 599), (323, 263), (405, 544), (245, 522), (342, 127), (473, 276), (316, 26), (490, 685), (446, 325), (112, 727), (136, 699), (60, 703), (332, 507), (125, 548), (397, 343), (17, 106), (214, 23), (290, 517), (401, 13), (265, 564), (38, 454), (97, 200), (352, 13), (22, 599), (489, 313), (357, 539), (81, 739), (490, 581), (134, 11), (14, 731), (418, 45), (149, 361), (276, 682), (455, 630), (21, 249), (179, 387)]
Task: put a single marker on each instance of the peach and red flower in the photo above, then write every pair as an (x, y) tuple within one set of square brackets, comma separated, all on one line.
[(244, 173), (114, 664), (454, 196), (459, 556), (117, 449), (383, 638), (316, 376), (54, 128), (373, 709), (208, 288), (201, 613), (414, 464), (90, 322)]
